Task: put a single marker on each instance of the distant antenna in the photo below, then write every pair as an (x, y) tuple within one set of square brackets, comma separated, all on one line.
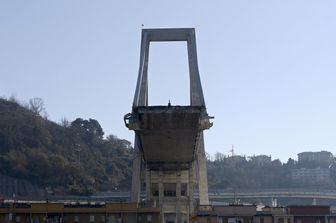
[(232, 150)]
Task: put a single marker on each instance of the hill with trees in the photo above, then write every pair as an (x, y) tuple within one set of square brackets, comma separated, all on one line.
[(71, 157), (256, 172), (75, 157)]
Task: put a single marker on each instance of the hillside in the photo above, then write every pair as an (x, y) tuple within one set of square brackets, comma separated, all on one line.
[(38, 155), (72, 157), (257, 172)]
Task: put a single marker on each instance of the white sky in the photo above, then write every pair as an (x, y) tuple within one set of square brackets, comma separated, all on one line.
[(267, 67)]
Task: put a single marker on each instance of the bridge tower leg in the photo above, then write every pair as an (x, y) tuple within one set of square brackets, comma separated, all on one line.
[(136, 170), (202, 173), (274, 202), (179, 183)]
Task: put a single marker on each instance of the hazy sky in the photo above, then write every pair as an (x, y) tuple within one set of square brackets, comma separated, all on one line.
[(268, 68)]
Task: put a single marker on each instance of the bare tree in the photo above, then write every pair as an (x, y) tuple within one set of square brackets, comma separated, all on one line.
[(219, 156), (13, 98), (64, 122), (36, 105)]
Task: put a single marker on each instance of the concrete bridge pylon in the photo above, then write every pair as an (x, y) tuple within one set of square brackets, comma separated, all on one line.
[(169, 153)]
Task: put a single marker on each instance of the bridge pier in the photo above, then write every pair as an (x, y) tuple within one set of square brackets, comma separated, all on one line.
[(136, 170), (169, 139), (202, 173)]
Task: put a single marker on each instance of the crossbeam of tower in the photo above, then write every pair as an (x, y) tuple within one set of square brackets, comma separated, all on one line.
[(168, 35)]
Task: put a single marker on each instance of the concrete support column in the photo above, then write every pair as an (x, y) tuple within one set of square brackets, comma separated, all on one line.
[(141, 91), (178, 190), (202, 174), (148, 184), (161, 195), (178, 197), (135, 193), (196, 92), (191, 188)]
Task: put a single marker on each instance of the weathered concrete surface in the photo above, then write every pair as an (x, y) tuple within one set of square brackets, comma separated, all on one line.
[(168, 134)]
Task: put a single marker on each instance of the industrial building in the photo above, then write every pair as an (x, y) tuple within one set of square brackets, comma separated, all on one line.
[(91, 212), (76, 212), (250, 214)]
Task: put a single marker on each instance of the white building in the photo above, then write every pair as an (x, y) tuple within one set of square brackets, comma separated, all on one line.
[(311, 177), (321, 159)]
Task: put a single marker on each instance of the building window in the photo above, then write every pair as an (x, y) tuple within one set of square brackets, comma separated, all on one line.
[(149, 218), (184, 189), (169, 190), (240, 220), (155, 189), (131, 218), (111, 218), (232, 220), (92, 218)]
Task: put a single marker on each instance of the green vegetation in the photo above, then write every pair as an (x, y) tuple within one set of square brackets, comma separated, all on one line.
[(238, 172), (72, 157)]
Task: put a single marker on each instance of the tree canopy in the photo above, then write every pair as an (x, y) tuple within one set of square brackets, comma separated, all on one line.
[(72, 158)]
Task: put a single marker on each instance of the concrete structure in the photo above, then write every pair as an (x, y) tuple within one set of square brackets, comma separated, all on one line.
[(169, 145)]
